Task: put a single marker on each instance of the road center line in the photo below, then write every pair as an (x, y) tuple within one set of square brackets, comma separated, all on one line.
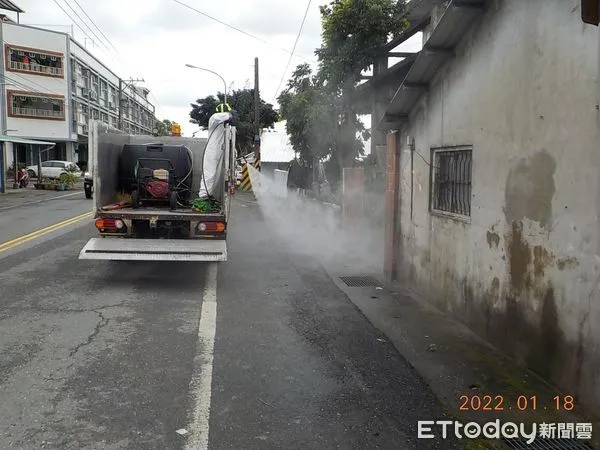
[(41, 232), (201, 383)]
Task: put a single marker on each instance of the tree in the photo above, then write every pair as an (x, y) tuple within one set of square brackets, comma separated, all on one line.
[(322, 119), (307, 110), (319, 122), (162, 127), (354, 32), (242, 101)]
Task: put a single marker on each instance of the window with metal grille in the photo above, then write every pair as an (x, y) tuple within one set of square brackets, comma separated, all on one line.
[(451, 180)]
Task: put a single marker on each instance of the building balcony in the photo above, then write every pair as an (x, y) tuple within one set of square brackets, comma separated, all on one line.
[(35, 113), (37, 69)]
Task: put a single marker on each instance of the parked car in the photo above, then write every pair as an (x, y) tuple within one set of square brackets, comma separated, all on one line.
[(53, 169)]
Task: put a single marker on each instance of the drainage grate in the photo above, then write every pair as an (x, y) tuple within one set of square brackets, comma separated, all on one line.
[(360, 281), (548, 444)]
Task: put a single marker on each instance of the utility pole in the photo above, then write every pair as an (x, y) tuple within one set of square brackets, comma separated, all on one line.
[(122, 86), (256, 115)]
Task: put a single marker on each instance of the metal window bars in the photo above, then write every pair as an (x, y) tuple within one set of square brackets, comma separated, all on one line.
[(452, 181)]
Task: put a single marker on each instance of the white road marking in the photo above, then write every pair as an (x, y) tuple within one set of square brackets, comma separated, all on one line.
[(201, 383)]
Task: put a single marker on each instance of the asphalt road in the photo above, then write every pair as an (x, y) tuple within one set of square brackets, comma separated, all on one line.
[(16, 220), (111, 355)]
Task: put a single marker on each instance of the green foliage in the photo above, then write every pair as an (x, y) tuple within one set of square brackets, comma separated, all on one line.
[(317, 121), (162, 127), (310, 119), (354, 31), (206, 206), (69, 178), (242, 101), (322, 121)]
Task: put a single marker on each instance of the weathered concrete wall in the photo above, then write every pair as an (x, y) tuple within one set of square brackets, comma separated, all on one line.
[(524, 269)]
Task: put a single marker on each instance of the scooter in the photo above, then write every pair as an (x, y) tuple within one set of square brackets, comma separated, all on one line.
[(88, 183), (23, 178)]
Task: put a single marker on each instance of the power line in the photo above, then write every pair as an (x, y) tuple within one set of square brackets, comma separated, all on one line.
[(71, 18), (116, 55), (45, 90), (104, 48), (83, 21), (98, 28), (220, 21), (293, 50), (237, 29), (77, 24), (86, 34), (11, 81), (45, 25)]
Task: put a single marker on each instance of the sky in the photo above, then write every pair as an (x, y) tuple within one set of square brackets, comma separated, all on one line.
[(154, 39)]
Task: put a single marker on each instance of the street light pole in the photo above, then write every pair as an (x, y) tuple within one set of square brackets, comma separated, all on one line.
[(215, 73)]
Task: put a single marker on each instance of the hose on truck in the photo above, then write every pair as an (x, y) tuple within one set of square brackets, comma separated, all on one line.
[(190, 155)]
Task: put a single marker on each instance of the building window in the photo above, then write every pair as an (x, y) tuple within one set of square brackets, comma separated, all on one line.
[(34, 61), (451, 179), (36, 106), (103, 93)]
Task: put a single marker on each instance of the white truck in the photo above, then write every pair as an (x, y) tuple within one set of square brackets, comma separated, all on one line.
[(145, 210)]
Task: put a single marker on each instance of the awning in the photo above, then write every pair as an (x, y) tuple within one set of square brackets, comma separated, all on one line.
[(10, 6), (18, 140), (457, 19)]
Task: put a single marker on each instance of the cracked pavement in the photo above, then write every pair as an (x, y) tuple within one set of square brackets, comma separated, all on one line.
[(97, 354), (101, 324)]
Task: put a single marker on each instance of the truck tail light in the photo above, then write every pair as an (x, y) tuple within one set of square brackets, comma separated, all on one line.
[(211, 227), (109, 225)]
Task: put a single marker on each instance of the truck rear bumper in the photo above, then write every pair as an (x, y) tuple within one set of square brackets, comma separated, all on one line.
[(154, 249)]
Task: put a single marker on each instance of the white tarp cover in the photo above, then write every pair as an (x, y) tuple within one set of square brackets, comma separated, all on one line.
[(213, 156)]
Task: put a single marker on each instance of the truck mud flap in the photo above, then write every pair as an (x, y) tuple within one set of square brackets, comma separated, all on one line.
[(154, 249)]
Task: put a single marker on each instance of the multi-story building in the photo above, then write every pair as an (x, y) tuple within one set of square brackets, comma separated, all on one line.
[(50, 88)]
